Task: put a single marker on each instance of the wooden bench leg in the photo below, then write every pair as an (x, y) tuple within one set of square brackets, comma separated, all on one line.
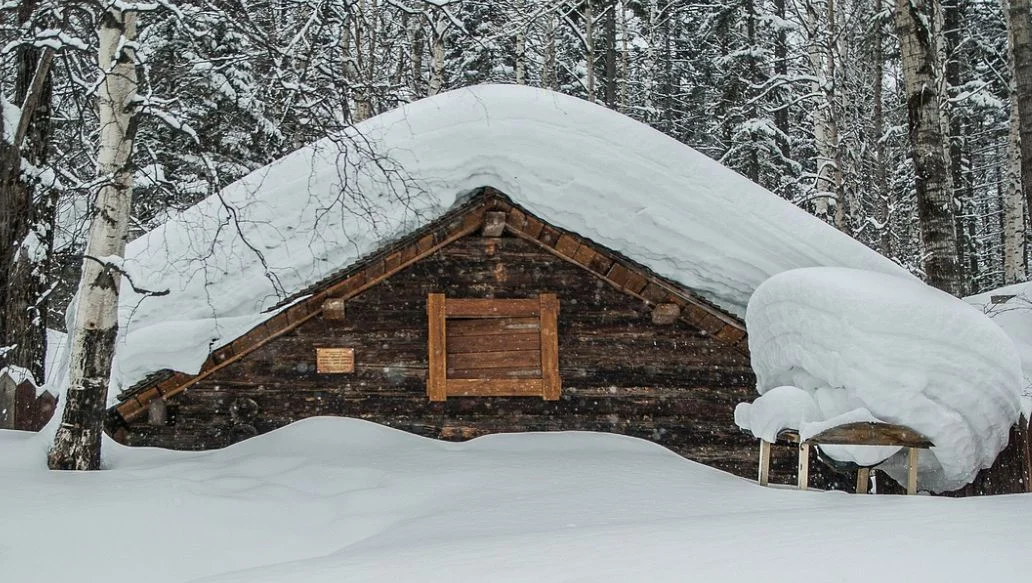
[(764, 462), (912, 470), (863, 480), (804, 465)]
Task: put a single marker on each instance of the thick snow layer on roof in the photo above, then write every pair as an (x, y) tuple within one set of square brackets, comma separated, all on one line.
[(575, 164), (866, 346), (1013, 313), (345, 501)]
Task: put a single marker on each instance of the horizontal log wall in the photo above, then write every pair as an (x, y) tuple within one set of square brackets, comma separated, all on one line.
[(672, 384)]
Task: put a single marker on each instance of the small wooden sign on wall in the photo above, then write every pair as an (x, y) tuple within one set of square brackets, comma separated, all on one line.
[(334, 360)]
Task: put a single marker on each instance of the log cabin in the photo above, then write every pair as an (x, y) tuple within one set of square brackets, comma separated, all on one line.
[(533, 289)]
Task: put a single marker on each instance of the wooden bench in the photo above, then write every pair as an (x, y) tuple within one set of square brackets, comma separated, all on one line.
[(861, 433)]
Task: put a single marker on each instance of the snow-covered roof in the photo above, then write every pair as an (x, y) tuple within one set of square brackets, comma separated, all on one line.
[(577, 165)]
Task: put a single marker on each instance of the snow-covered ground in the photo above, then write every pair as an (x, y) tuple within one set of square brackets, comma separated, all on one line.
[(340, 500), (832, 345)]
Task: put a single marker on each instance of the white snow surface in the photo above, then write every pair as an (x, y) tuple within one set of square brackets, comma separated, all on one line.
[(578, 165), (1015, 317), (871, 347), (346, 501)]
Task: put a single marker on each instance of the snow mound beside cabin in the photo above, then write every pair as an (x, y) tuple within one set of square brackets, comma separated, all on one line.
[(578, 165), (869, 347), (1013, 312)]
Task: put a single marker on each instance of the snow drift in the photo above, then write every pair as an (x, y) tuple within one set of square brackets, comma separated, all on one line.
[(1013, 313), (346, 501), (576, 164), (868, 346)]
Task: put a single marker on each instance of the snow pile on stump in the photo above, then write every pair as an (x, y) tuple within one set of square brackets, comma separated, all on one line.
[(861, 346)]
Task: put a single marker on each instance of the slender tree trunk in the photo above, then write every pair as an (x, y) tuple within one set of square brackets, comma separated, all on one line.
[(26, 214), (1013, 207), (415, 30), (589, 47), (624, 56), (826, 135), (548, 65), (77, 442), (1013, 203), (440, 26), (935, 204), (610, 34), (781, 70), (882, 189), (521, 49), (1021, 56)]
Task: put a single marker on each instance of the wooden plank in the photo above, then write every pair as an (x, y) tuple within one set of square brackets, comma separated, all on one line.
[(804, 466), (533, 227), (552, 387), (478, 327), (665, 314), (549, 235), (437, 346), (334, 309), (912, 459), (502, 359), (764, 476), (618, 275), (654, 293), (863, 480), (866, 433), (584, 255), (600, 264), (567, 245), (494, 224), (517, 219), (494, 387), (495, 373), (636, 282), (490, 308), (520, 340)]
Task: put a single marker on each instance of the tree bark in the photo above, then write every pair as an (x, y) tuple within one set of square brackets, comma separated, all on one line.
[(826, 135), (610, 34), (440, 26), (77, 442), (26, 214), (589, 48), (882, 190), (1013, 203), (935, 204), (1021, 56)]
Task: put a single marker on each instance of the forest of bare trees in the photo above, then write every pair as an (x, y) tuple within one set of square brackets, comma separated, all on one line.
[(907, 124)]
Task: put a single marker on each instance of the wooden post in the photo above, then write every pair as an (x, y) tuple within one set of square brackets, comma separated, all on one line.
[(863, 480), (764, 462), (552, 383), (436, 374), (912, 453), (804, 465)]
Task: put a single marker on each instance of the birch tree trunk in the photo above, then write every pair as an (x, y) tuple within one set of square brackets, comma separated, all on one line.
[(826, 135), (1013, 206), (440, 26), (935, 205), (1021, 56), (521, 48), (77, 442), (1013, 203), (548, 67)]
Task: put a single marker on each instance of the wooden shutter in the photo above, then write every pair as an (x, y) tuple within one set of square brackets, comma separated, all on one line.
[(490, 347)]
